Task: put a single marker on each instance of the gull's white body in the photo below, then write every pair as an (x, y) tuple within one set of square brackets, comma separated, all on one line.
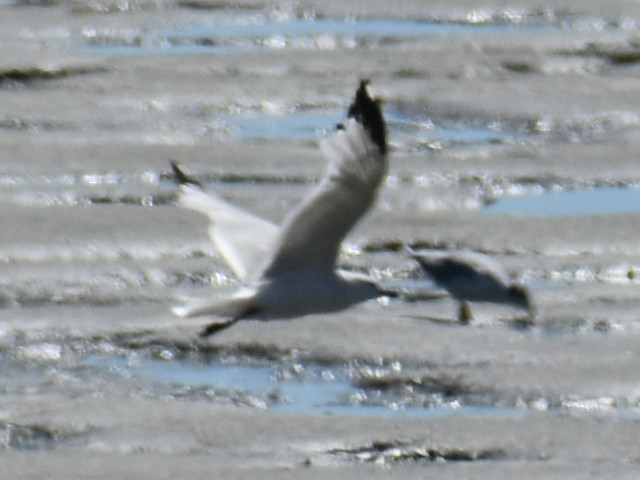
[(286, 296), (289, 271)]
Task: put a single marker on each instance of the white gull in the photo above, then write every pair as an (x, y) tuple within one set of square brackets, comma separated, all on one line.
[(290, 271)]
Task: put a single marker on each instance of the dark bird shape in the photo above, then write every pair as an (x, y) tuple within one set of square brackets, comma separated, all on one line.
[(472, 277)]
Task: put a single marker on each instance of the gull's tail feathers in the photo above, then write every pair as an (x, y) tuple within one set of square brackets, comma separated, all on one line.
[(426, 259), (408, 249), (234, 307)]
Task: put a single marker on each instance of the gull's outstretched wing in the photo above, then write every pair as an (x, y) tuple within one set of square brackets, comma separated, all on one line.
[(243, 239), (311, 235)]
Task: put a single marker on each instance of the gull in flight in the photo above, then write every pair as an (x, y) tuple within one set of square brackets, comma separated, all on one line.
[(290, 271), (472, 277)]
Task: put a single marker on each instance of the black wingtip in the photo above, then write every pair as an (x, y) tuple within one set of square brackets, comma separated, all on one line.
[(182, 177), (367, 111), (520, 295)]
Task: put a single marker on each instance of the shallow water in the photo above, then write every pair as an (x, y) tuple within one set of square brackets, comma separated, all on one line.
[(237, 33), (589, 201), (410, 132), (357, 388)]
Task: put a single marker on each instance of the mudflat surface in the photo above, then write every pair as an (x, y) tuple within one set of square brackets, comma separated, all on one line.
[(486, 104)]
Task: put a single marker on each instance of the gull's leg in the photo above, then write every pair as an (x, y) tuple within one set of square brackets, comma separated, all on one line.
[(464, 313), (216, 327)]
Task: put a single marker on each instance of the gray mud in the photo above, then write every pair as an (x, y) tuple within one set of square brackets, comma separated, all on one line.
[(507, 103)]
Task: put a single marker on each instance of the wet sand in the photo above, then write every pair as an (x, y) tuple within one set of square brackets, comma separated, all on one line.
[(92, 109)]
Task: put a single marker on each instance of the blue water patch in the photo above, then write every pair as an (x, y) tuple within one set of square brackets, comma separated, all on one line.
[(248, 28), (306, 395), (296, 125), (410, 132), (320, 389), (245, 33), (416, 130), (314, 391), (589, 201), (310, 393)]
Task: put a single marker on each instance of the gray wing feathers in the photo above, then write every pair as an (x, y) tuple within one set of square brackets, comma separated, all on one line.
[(312, 233)]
